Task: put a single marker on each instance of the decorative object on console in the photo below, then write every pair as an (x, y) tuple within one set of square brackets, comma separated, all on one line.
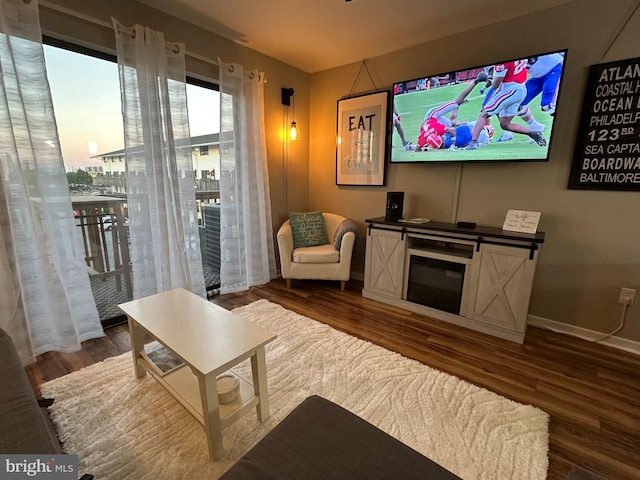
[(362, 139), (521, 221), (416, 220), (395, 205)]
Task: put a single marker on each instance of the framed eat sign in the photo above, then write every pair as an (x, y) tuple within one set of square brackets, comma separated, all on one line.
[(361, 149)]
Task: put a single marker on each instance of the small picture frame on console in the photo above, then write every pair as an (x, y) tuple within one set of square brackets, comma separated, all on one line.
[(361, 148)]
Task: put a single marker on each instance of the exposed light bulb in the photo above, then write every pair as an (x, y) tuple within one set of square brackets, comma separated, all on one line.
[(293, 132)]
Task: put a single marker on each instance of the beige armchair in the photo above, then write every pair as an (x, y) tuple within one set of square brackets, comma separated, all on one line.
[(322, 262)]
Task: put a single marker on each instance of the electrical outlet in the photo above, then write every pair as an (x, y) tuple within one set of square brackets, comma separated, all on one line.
[(627, 296)]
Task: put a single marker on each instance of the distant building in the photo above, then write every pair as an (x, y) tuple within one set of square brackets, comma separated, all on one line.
[(112, 163), (93, 170), (205, 154)]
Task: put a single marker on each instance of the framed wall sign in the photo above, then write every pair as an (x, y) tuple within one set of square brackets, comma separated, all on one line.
[(607, 151), (362, 139)]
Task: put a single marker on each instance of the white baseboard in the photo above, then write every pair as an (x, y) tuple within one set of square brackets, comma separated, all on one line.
[(630, 346)]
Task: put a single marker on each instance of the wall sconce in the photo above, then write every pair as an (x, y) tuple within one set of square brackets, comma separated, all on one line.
[(288, 99)]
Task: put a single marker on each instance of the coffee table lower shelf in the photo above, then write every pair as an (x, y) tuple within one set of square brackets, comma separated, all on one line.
[(182, 384)]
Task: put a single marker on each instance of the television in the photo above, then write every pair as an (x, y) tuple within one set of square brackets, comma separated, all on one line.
[(501, 112)]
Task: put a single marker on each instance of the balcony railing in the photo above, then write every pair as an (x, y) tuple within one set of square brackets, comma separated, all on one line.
[(207, 185), (118, 183), (106, 245)]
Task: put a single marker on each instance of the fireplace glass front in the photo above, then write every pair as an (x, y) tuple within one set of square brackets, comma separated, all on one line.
[(435, 283)]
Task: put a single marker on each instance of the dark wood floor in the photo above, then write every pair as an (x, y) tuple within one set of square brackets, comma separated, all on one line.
[(591, 392)]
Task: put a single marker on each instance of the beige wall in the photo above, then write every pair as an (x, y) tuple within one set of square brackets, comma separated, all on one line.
[(592, 246)]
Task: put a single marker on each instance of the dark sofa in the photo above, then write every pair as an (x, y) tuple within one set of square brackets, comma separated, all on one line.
[(321, 440), (25, 427)]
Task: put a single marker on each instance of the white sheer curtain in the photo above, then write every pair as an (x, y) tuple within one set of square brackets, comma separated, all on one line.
[(47, 302), (246, 234), (163, 222)]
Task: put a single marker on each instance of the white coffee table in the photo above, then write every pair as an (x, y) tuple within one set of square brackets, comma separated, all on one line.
[(210, 340)]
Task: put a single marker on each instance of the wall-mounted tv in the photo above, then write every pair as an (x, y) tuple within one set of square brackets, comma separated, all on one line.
[(498, 112)]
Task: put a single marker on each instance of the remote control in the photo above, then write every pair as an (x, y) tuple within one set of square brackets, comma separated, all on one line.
[(467, 224)]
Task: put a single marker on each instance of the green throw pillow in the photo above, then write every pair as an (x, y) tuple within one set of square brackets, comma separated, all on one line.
[(308, 229)]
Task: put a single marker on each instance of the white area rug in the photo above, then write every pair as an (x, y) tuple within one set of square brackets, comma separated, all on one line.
[(124, 428)]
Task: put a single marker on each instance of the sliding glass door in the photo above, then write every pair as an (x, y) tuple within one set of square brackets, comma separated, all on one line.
[(86, 95)]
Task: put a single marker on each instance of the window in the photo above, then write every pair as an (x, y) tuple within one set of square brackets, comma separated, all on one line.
[(85, 89)]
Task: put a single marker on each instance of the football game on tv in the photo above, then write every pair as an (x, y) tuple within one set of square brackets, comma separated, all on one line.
[(498, 112)]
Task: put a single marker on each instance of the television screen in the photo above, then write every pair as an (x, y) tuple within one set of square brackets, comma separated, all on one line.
[(498, 112)]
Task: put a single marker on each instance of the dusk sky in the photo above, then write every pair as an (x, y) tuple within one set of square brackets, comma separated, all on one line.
[(86, 101)]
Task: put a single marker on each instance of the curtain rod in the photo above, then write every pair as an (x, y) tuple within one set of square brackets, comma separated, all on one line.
[(102, 23)]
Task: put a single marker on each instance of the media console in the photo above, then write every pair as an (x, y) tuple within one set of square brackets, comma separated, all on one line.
[(478, 278)]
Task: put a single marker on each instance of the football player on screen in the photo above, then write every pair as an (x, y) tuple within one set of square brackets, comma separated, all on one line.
[(544, 78), (459, 137), (509, 91), (436, 123), (398, 126)]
